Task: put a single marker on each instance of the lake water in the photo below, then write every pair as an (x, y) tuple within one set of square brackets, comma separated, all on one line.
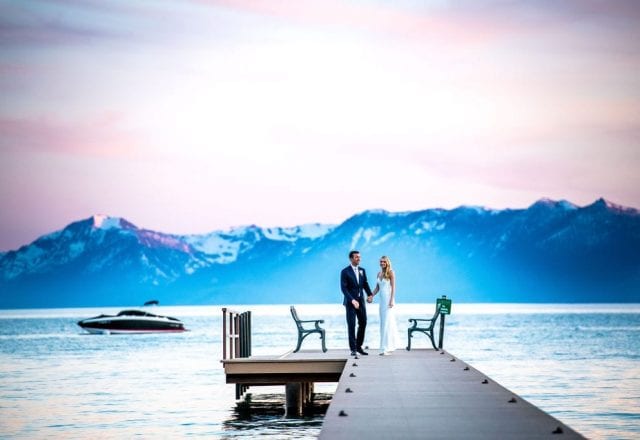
[(580, 363)]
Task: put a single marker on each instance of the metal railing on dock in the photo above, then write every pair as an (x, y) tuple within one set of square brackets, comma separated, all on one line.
[(236, 339)]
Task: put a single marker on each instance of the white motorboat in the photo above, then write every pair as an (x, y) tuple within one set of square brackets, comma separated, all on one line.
[(132, 321)]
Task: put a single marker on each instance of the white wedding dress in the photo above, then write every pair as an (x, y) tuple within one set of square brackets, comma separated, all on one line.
[(388, 328)]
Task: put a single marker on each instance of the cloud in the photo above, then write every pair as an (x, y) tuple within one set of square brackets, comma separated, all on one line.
[(104, 136), (29, 24), (374, 18)]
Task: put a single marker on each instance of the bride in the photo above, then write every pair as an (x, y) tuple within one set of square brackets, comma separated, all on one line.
[(387, 287)]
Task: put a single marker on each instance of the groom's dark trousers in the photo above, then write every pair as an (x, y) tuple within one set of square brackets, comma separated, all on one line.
[(356, 340)]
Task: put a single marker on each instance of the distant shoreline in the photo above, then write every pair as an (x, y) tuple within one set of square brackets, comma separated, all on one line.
[(331, 308)]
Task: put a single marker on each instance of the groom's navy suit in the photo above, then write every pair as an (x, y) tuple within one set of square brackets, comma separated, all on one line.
[(353, 289)]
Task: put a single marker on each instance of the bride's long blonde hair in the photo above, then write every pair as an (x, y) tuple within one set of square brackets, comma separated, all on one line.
[(386, 272)]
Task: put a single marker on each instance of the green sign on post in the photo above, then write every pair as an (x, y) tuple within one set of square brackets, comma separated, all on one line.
[(444, 305)]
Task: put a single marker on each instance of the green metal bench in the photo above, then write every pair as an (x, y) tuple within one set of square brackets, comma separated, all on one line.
[(304, 332), (427, 328)]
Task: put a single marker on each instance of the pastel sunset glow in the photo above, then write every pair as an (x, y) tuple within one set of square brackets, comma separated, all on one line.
[(194, 116)]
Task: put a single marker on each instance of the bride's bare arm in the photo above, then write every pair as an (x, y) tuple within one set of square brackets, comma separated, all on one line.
[(375, 291), (392, 298)]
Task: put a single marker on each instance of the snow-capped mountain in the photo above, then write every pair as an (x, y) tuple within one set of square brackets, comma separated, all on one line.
[(225, 247), (553, 251)]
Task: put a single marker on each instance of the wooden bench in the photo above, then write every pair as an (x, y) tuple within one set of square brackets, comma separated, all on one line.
[(304, 332), (426, 328)]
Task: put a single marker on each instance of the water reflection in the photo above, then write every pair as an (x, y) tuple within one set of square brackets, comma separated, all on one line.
[(265, 414)]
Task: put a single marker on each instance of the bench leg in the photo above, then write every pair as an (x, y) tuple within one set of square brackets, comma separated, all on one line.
[(300, 338), (428, 333), (433, 342), (324, 347)]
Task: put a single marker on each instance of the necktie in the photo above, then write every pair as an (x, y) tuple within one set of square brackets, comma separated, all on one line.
[(355, 269)]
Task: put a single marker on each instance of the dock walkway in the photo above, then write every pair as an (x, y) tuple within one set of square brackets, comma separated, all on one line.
[(429, 394), (417, 394)]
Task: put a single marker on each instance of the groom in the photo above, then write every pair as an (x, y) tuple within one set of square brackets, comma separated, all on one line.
[(353, 280)]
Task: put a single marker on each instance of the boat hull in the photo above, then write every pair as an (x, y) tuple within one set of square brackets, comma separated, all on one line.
[(107, 331), (131, 322)]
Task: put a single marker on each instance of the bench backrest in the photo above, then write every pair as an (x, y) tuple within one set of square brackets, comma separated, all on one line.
[(294, 314), (435, 317), (432, 321)]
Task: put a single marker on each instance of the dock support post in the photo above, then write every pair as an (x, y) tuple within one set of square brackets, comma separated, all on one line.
[(299, 395), (308, 400), (294, 398)]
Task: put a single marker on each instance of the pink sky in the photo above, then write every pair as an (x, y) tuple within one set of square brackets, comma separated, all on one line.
[(189, 117)]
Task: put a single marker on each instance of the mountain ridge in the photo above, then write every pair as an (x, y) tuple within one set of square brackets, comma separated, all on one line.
[(542, 253)]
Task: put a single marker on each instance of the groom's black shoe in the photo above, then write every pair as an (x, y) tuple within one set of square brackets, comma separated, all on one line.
[(353, 353), (362, 352)]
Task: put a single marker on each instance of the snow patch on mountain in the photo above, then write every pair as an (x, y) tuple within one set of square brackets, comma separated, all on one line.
[(222, 248), (386, 213), (365, 234), (26, 258), (76, 249), (31, 254), (474, 209), (101, 221), (225, 246), (154, 239), (376, 212), (554, 204), (311, 230), (500, 243), (384, 238), (314, 230), (369, 233), (433, 225), (278, 234), (356, 238), (194, 264)]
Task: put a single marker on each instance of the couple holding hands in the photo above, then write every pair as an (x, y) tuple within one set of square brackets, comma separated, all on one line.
[(353, 282)]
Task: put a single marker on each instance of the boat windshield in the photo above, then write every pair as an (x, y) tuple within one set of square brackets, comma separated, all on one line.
[(135, 313)]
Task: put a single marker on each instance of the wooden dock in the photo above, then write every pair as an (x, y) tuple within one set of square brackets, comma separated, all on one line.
[(417, 394), (304, 366)]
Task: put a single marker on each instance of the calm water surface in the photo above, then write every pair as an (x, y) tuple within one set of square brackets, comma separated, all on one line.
[(580, 363)]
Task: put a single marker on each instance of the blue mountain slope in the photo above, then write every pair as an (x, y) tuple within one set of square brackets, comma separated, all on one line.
[(552, 251)]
